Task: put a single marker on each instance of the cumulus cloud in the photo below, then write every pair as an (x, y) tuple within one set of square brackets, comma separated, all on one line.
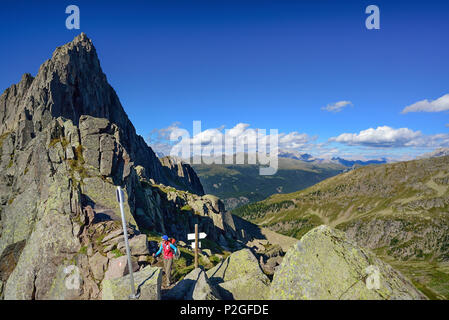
[(337, 106), (387, 137), (438, 105), (372, 143), (380, 137), (241, 137)]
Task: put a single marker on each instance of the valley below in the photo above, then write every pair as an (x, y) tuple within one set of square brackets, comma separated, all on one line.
[(242, 184), (398, 210)]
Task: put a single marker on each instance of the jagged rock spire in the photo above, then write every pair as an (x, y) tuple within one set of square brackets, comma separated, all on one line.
[(69, 85)]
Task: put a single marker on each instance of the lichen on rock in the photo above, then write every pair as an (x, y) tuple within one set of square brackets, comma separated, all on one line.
[(148, 283), (326, 265)]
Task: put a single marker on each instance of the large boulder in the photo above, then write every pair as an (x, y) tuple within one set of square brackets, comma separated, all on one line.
[(98, 264), (102, 193), (240, 277), (147, 282), (138, 245), (325, 264), (194, 286), (112, 235), (238, 264), (248, 287), (118, 267), (202, 290)]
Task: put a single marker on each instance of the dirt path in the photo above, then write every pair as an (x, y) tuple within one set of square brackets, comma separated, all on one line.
[(263, 233)]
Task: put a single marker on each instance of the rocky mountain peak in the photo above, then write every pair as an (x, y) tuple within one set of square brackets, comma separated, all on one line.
[(79, 85), (71, 84), (66, 143), (79, 43)]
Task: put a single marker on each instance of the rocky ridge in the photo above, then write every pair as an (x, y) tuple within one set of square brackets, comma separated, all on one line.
[(65, 144)]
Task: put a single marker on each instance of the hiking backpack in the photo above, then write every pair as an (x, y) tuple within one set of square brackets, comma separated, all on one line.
[(178, 252)]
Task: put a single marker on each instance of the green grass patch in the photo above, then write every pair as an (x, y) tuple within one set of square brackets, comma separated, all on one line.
[(99, 239), (83, 250), (186, 208), (215, 260), (117, 253)]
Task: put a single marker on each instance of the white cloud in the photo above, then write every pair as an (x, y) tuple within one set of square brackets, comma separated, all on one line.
[(337, 106), (387, 137), (438, 105), (372, 143), (380, 137), (242, 136)]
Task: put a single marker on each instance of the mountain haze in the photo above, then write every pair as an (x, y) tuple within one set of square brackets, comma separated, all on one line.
[(239, 184)]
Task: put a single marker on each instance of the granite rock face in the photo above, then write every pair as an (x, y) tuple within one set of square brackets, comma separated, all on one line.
[(166, 203), (188, 180), (326, 265), (98, 264), (118, 267), (71, 85), (147, 282), (43, 201), (66, 143), (194, 286), (239, 277)]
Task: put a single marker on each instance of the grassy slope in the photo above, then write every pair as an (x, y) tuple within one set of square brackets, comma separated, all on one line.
[(398, 210), (233, 181)]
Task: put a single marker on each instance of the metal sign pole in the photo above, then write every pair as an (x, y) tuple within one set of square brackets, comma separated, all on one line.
[(120, 199), (196, 245)]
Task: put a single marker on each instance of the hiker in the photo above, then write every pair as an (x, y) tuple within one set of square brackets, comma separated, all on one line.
[(167, 248)]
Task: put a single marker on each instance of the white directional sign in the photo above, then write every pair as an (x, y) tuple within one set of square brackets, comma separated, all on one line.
[(193, 245), (201, 235)]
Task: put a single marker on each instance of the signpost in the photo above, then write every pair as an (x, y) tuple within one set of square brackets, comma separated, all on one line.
[(120, 198), (191, 236), (195, 245)]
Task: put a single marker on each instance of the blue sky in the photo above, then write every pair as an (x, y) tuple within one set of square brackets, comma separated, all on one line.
[(268, 64)]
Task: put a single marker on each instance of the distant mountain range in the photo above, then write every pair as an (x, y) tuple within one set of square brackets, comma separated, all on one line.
[(239, 184), (440, 152), (294, 154)]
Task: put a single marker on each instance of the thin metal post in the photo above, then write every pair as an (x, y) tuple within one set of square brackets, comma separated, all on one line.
[(196, 245), (125, 235)]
